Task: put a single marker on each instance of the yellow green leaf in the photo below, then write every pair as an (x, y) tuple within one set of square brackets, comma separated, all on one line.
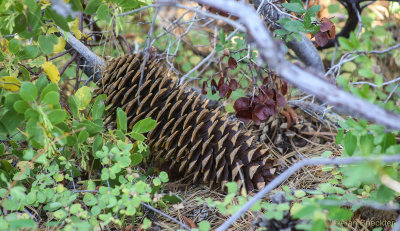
[(10, 83), (60, 45), (84, 96), (75, 28), (4, 45), (51, 72)]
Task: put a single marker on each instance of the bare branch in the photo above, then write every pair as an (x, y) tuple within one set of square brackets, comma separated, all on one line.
[(272, 53), (94, 64)]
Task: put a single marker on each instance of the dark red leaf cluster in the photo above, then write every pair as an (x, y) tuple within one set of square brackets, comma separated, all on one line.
[(232, 64), (224, 89), (260, 107), (326, 32)]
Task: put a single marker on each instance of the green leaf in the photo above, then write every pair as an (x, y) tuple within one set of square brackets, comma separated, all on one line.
[(89, 199), (91, 127), (164, 177), (51, 98), (2, 149), (146, 223), (95, 210), (388, 140), (19, 224), (232, 187), (345, 44), (350, 143), (98, 107), (340, 214), (136, 159), (83, 96), (295, 7), (129, 4), (73, 106), (103, 12), (76, 5), (307, 20), (299, 193), (28, 92), (92, 6), (46, 44), (32, 5), (366, 72), (222, 36), (13, 46), (97, 144), (30, 52), (313, 10), (21, 106), (204, 226), (367, 144), (121, 120), (339, 136), (124, 161), (137, 136), (57, 116), (60, 214), (171, 199), (59, 20), (280, 32), (318, 225), (75, 208), (144, 125), (294, 26), (83, 136), (49, 88)]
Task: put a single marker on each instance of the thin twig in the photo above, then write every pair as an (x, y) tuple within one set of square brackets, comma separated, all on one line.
[(146, 51), (165, 215), (68, 63), (61, 54)]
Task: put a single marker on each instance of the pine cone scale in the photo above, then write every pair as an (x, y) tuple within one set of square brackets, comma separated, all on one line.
[(192, 138)]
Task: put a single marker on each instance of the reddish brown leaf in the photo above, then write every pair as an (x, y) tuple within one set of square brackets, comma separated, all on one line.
[(228, 94), (259, 111), (331, 32), (189, 222), (270, 93), (232, 64), (220, 82), (213, 87), (255, 119), (283, 87), (326, 25), (223, 89), (241, 104), (321, 38), (204, 88), (280, 100), (233, 84), (244, 116)]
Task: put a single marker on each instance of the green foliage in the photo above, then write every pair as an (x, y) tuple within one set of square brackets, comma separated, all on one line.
[(61, 146), (307, 24)]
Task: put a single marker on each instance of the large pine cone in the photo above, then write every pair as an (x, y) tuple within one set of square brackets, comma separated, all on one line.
[(188, 137)]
